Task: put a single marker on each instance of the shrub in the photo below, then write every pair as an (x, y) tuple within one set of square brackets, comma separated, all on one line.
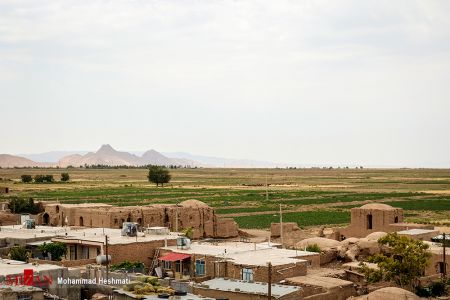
[(313, 248), (437, 289), (65, 177), (18, 253), (56, 250), (26, 178), (44, 179)]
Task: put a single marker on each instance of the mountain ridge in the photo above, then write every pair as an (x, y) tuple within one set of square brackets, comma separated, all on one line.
[(105, 155)]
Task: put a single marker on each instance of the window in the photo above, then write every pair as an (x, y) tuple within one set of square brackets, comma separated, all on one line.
[(178, 266), (73, 252), (441, 267), (369, 221), (247, 274), (200, 267), (396, 220), (167, 265), (84, 252)]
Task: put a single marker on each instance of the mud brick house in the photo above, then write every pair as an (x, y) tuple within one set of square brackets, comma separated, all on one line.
[(237, 260), (375, 217), (243, 290), (191, 213), (83, 246)]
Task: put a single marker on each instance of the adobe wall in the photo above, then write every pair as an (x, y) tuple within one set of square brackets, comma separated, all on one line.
[(141, 251), (224, 227), (381, 221), (7, 218), (288, 227), (433, 265), (260, 273), (200, 217)]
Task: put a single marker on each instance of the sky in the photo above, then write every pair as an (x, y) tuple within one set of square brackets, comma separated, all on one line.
[(310, 82)]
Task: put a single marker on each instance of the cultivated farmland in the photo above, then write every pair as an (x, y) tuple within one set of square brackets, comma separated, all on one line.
[(308, 196)]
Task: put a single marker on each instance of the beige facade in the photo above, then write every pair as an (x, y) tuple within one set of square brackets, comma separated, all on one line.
[(370, 218), (190, 213)]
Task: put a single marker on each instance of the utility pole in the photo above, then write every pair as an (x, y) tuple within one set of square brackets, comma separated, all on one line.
[(281, 227), (444, 269), (269, 281), (176, 219), (107, 258), (267, 190)]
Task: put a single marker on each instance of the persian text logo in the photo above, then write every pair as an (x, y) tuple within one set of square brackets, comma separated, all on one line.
[(28, 278)]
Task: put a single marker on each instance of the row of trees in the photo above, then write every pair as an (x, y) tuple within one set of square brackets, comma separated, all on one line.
[(43, 178)]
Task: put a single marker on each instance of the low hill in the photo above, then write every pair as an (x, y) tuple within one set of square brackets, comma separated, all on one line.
[(11, 161)]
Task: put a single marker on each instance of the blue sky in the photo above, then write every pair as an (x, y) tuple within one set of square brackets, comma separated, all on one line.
[(327, 82)]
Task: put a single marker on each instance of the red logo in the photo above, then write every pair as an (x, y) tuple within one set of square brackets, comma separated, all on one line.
[(28, 278)]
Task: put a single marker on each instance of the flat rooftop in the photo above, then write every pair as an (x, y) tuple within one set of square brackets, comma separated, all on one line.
[(97, 235), (417, 231), (240, 286), (245, 253), (17, 232), (80, 234), (315, 280), (155, 297), (13, 267)]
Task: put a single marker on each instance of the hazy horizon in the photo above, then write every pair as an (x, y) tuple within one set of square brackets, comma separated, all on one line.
[(300, 82)]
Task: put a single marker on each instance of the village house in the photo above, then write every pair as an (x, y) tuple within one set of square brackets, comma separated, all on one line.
[(220, 288), (237, 260), (375, 217), (83, 246)]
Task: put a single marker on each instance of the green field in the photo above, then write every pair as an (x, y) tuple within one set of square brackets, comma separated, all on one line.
[(308, 196)]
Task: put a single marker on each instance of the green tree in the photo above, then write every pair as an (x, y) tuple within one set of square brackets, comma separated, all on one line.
[(26, 178), (44, 179), (158, 175), (23, 205), (404, 264), (65, 177), (56, 250), (18, 253)]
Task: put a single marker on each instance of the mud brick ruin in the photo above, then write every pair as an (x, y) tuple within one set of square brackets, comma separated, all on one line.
[(188, 214)]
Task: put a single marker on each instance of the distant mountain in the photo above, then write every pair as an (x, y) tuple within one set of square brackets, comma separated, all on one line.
[(220, 162), (51, 156), (107, 155), (11, 161)]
